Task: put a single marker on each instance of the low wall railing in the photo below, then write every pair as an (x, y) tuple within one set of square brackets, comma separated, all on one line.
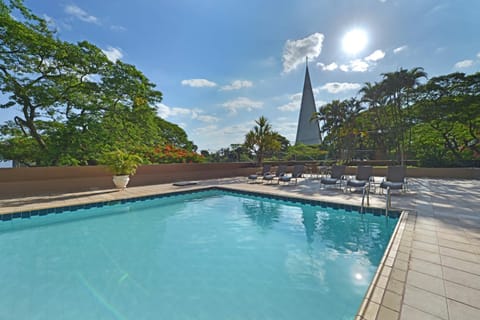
[(47, 180)]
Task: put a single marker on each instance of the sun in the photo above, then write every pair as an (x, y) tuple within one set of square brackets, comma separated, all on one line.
[(354, 41)]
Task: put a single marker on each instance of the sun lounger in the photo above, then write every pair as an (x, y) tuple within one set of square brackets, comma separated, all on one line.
[(265, 171), (336, 177), (281, 170), (297, 173), (362, 179), (396, 178)]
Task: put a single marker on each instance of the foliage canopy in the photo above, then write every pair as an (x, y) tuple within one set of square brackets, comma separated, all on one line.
[(74, 103), (436, 122)]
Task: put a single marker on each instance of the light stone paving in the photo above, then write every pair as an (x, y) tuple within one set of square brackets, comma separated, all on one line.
[(431, 269)]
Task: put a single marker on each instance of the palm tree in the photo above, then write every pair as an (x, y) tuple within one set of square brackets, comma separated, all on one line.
[(261, 139), (398, 86), (339, 122), (373, 95)]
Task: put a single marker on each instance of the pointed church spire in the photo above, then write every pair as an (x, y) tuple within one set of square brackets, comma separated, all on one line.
[(308, 132)]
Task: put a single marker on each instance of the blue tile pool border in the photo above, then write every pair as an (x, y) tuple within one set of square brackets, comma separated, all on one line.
[(324, 204)]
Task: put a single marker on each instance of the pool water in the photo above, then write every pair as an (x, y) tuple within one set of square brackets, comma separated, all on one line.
[(205, 255)]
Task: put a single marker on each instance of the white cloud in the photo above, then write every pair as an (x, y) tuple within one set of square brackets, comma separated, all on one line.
[(363, 65), (319, 103), (237, 84), (113, 54), (283, 119), (242, 103), (291, 106), (329, 67), (464, 64), (117, 28), (208, 119), (399, 49), (240, 129), (344, 68), (287, 127), (80, 14), (337, 87), (297, 96), (198, 83), (478, 55), (295, 51), (214, 137), (197, 115), (295, 100), (165, 112), (375, 56), (206, 130), (357, 65)]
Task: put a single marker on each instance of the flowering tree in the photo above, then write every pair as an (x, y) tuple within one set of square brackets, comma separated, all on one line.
[(170, 154)]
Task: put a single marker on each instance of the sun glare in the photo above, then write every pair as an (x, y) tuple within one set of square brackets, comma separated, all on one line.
[(354, 41)]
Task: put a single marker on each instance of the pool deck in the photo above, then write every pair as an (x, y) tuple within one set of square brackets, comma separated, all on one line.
[(432, 266)]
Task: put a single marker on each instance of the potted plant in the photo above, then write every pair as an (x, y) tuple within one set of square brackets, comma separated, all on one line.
[(122, 165)]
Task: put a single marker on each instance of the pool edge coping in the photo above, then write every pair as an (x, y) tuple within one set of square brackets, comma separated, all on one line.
[(390, 253), (133, 198)]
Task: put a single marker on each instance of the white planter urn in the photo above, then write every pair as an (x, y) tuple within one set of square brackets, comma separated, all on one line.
[(121, 181)]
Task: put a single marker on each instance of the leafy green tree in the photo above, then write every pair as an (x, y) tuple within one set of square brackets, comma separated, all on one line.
[(74, 102), (429, 147), (174, 135), (306, 152), (224, 155), (450, 106), (437, 123), (284, 143), (34, 68)]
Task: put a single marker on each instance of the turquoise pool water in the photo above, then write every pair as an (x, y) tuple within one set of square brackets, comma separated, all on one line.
[(206, 255)]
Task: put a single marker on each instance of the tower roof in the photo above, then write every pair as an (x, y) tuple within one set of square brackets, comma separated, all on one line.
[(308, 132)]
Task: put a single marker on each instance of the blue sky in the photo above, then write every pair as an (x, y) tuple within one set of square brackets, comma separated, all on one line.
[(221, 64)]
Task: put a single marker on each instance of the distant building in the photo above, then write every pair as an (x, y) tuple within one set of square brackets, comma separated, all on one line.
[(308, 132)]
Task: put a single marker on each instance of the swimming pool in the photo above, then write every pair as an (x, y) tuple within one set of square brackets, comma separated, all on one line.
[(211, 254)]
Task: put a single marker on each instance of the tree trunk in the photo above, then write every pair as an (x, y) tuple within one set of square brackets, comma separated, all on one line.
[(32, 130)]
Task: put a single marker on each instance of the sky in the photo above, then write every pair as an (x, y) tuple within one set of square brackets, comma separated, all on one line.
[(221, 64)]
